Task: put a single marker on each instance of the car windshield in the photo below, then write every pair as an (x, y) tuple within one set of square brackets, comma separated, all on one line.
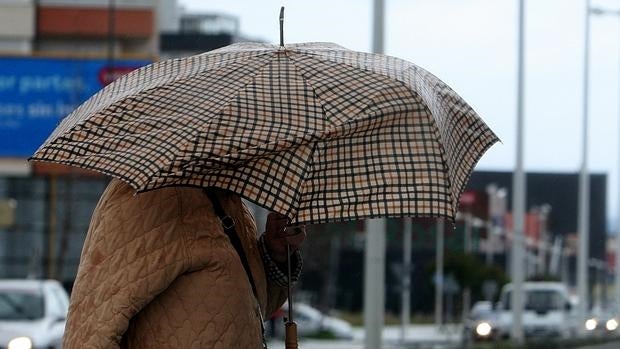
[(543, 300), (538, 300), (20, 305)]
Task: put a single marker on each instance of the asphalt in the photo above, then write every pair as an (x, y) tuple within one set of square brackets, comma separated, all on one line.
[(327, 344), (612, 345)]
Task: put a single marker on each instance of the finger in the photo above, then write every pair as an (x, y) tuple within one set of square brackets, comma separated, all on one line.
[(276, 223), (296, 239), (292, 231)]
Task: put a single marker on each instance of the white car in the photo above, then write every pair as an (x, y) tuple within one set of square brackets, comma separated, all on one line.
[(32, 314), (547, 313)]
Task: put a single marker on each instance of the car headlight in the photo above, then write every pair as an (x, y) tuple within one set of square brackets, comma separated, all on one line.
[(483, 329), (591, 324), (611, 324), (20, 343)]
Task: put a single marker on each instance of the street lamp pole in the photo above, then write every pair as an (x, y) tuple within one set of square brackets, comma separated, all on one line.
[(374, 267), (584, 187), (439, 277), (518, 198), (617, 279), (599, 11)]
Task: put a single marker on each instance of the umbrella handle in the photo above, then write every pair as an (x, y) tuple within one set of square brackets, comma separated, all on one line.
[(282, 26), (290, 333), (290, 340)]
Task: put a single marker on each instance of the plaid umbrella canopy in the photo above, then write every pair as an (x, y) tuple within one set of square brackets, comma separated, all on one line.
[(313, 131)]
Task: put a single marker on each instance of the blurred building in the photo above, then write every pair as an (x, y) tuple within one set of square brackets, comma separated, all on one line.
[(79, 27), (193, 33), (54, 54), (17, 26), (551, 212), (560, 192)]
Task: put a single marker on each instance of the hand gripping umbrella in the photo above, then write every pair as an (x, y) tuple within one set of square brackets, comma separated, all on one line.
[(313, 131)]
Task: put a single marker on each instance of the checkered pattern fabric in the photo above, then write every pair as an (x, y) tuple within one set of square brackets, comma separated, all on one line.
[(314, 131)]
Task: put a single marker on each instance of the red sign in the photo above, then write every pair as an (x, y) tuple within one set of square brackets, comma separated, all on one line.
[(109, 74), (467, 198)]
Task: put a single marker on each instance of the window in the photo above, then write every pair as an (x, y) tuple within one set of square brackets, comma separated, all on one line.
[(21, 305)]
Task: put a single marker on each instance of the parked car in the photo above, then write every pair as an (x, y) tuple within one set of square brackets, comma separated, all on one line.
[(548, 311), (32, 314), (311, 322)]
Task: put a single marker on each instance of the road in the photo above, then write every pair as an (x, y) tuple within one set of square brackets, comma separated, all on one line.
[(614, 345), (416, 337)]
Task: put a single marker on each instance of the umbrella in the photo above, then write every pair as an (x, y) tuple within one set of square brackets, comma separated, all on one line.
[(313, 131)]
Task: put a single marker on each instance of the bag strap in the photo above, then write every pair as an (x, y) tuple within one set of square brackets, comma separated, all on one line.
[(228, 224)]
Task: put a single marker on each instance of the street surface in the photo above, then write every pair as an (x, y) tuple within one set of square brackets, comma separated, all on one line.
[(614, 345), (416, 336)]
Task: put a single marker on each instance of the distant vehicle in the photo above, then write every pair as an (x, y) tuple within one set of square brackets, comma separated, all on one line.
[(603, 321), (548, 311), (32, 314), (311, 322), (480, 325)]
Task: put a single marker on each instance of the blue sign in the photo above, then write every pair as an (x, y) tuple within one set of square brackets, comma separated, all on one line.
[(36, 93)]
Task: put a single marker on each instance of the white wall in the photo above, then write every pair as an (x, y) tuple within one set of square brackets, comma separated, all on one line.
[(15, 46), (17, 27), (168, 16)]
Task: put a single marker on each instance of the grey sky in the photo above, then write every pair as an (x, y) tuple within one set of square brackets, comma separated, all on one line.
[(471, 45)]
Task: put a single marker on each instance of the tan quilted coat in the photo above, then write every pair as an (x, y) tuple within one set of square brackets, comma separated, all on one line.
[(157, 271)]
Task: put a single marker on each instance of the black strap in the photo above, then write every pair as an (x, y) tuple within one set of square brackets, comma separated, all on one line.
[(228, 224)]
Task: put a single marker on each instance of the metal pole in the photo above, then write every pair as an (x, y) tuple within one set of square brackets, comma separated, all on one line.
[(518, 198), (52, 219), (439, 274), (492, 197), (374, 282), (406, 291), (584, 189), (378, 26), (599, 11), (374, 272), (468, 250), (111, 34), (617, 298)]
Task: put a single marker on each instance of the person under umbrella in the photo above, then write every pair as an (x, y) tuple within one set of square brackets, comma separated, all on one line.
[(158, 271), (312, 131)]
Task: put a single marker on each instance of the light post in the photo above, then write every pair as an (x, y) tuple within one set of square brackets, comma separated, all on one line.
[(374, 258), (584, 189), (600, 11), (518, 197), (439, 277), (406, 275)]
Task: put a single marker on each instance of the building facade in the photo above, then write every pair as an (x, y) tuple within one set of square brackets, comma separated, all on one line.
[(54, 54)]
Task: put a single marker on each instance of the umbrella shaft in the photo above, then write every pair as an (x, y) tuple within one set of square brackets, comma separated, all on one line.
[(288, 272)]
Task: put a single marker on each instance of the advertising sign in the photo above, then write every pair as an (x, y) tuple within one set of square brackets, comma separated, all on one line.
[(36, 93)]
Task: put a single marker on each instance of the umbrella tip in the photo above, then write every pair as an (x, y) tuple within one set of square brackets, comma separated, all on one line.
[(282, 26)]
